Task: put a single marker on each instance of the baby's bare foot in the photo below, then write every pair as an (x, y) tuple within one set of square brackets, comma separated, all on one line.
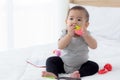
[(75, 74), (48, 74)]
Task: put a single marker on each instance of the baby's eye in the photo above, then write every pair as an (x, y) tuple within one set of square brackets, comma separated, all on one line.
[(71, 18), (79, 19)]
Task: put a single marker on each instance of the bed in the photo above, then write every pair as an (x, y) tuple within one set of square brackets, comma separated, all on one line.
[(27, 63)]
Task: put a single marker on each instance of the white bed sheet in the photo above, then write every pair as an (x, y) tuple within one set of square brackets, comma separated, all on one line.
[(107, 52), (13, 64)]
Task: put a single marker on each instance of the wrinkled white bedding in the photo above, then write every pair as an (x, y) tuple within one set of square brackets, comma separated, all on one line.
[(13, 64), (104, 26), (107, 52)]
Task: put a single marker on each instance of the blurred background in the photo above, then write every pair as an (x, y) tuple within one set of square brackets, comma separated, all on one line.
[(25, 23)]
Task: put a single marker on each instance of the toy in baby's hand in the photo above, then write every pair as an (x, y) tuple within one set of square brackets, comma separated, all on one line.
[(78, 30), (57, 52)]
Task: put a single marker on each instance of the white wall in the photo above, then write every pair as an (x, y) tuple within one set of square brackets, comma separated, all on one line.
[(34, 22), (3, 25)]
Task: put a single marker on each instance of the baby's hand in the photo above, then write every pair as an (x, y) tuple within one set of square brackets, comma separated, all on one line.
[(84, 31), (71, 30), (78, 30)]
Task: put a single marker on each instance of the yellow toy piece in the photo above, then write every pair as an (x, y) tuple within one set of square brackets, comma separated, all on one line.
[(78, 30), (77, 27)]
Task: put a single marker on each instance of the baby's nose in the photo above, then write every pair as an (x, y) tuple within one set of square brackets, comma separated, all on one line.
[(75, 21)]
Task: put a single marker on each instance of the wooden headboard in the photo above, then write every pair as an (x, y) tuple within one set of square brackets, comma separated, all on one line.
[(103, 3)]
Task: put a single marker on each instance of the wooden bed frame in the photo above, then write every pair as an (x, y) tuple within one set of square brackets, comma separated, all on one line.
[(99, 3)]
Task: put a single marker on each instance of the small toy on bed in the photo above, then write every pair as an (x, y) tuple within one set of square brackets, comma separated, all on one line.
[(107, 67), (57, 52), (50, 78), (78, 30)]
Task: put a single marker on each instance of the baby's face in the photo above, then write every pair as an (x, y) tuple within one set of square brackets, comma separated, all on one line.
[(76, 17)]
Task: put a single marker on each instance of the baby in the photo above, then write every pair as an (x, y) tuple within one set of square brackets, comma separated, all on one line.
[(75, 61)]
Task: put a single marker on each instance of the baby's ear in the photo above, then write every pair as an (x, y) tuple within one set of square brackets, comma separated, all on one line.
[(87, 24)]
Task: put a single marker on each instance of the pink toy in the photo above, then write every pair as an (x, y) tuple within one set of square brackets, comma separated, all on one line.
[(107, 67), (57, 52), (78, 30)]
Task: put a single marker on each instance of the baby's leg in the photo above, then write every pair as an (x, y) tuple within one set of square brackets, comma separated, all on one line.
[(48, 74), (75, 74), (87, 71), (54, 66)]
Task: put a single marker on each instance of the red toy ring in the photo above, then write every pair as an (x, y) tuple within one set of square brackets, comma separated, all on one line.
[(107, 67)]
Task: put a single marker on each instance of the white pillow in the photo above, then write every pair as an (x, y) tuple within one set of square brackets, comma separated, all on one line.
[(104, 21)]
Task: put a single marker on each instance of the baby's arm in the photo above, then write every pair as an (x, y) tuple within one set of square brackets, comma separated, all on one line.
[(92, 43), (64, 41)]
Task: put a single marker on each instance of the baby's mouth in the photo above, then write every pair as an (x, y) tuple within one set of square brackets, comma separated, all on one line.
[(73, 25)]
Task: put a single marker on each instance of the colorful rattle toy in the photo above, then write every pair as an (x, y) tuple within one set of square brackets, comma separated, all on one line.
[(107, 67), (57, 52), (78, 30)]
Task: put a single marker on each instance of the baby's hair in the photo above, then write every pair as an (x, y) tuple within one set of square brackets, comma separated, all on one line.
[(80, 8)]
